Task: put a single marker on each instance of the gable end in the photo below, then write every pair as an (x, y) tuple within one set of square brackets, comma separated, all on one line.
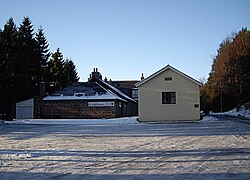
[(164, 69)]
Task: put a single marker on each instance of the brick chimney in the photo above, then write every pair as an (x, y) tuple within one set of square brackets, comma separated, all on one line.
[(96, 74)]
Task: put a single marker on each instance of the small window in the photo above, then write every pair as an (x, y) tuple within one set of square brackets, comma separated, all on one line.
[(134, 93), (168, 98), (168, 78)]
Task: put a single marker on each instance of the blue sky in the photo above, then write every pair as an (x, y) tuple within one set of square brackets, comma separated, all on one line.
[(125, 38)]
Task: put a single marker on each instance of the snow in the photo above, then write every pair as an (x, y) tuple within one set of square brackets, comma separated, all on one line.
[(106, 96), (209, 119), (242, 112), (112, 121), (126, 120), (128, 150), (124, 150), (118, 91), (109, 95)]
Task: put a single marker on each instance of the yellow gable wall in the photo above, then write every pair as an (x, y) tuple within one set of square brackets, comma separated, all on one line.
[(150, 98)]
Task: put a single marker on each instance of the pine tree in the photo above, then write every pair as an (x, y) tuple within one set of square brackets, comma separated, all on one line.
[(29, 64), (56, 71), (69, 72), (1, 73), (42, 47), (1, 58), (8, 50), (8, 65), (24, 60), (43, 54)]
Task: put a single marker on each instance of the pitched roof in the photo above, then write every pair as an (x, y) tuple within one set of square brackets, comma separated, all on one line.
[(124, 84), (80, 87), (164, 69), (94, 89), (113, 89), (84, 91)]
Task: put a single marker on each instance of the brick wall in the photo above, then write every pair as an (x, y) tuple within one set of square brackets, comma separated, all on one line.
[(75, 110), (37, 107)]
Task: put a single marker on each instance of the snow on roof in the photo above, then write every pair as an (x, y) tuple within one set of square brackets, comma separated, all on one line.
[(94, 89), (117, 91), (109, 91), (84, 91), (106, 96), (87, 88), (164, 69)]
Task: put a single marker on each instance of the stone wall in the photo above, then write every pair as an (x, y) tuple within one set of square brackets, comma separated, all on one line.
[(76, 110)]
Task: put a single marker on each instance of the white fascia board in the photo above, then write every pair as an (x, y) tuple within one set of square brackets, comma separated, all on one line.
[(164, 69)]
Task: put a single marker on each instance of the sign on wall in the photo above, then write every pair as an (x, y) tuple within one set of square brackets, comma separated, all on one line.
[(100, 104)]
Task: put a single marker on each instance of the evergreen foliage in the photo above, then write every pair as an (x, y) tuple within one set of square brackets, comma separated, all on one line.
[(24, 63), (27, 79), (8, 64), (43, 53), (61, 72), (56, 77), (70, 72)]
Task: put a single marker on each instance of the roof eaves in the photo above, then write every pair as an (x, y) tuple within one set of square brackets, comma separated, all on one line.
[(151, 76), (185, 75), (109, 91), (116, 91), (164, 69)]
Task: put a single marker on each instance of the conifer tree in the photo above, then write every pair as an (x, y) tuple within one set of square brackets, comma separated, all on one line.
[(29, 64), (56, 70), (8, 50), (69, 72), (8, 65), (1, 73), (1, 58), (24, 59), (42, 47), (43, 53)]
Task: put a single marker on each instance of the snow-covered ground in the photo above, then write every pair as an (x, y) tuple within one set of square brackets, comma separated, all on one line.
[(214, 148), (210, 119), (242, 112), (126, 120)]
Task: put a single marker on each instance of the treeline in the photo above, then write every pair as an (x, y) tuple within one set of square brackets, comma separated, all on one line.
[(25, 61), (228, 85)]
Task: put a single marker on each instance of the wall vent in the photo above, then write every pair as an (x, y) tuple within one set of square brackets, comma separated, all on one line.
[(168, 78)]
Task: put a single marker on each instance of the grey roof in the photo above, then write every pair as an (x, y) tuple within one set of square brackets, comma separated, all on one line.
[(81, 87), (94, 89)]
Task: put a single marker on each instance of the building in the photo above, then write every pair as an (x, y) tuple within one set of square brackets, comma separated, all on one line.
[(95, 98), (127, 87), (169, 95), (25, 109)]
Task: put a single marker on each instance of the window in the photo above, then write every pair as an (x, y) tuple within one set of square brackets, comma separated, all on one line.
[(168, 98), (134, 93)]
